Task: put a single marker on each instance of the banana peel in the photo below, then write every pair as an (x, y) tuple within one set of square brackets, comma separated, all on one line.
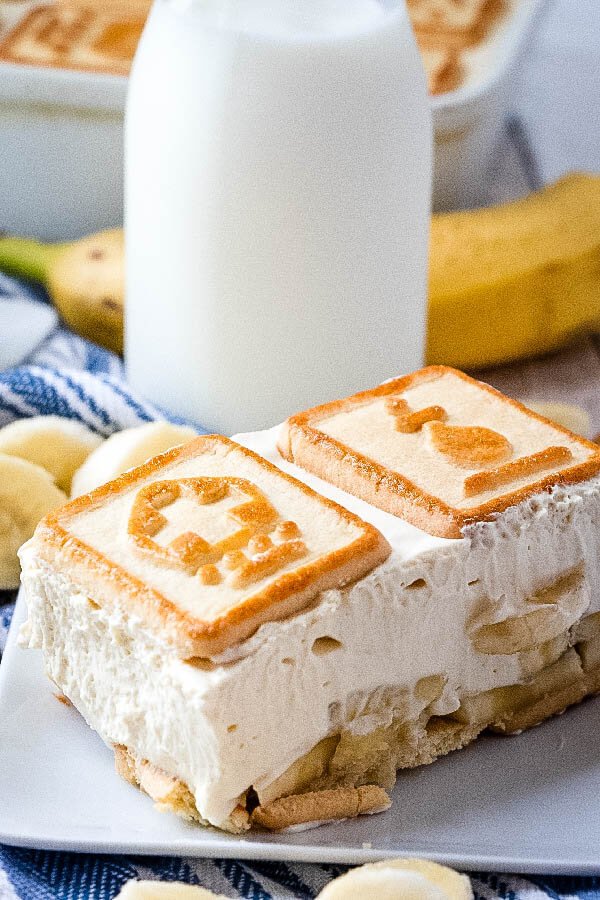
[(506, 282), (85, 280)]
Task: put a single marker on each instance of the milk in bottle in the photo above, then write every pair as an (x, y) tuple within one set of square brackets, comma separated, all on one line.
[(278, 176)]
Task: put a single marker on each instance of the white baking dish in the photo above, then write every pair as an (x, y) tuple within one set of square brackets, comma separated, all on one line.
[(61, 154), (467, 120)]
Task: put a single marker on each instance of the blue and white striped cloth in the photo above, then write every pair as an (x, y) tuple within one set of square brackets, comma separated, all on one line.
[(71, 377)]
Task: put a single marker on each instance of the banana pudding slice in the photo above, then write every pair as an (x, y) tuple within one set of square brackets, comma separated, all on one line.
[(265, 646)]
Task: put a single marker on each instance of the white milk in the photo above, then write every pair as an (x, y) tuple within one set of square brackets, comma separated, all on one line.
[(278, 169)]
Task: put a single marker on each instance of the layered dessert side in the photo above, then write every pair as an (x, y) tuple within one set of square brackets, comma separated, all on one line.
[(262, 654), (84, 35)]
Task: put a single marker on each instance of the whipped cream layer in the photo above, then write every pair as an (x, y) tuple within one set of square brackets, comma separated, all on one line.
[(345, 663)]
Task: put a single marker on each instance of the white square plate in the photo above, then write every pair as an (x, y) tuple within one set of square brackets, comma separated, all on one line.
[(524, 804)]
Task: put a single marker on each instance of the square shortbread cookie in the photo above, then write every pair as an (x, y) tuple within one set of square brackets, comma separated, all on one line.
[(436, 448), (207, 542)]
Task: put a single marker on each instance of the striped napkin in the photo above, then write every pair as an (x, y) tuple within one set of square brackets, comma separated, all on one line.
[(70, 377)]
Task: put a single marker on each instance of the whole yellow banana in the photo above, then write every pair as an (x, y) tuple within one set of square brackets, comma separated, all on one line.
[(85, 280), (515, 280), (506, 282)]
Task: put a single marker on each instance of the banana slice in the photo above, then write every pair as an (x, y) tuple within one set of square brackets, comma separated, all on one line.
[(399, 879), (27, 493), (58, 445), (551, 612), (568, 415), (125, 450), (164, 890)]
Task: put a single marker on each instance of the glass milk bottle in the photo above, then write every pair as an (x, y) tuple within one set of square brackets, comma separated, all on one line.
[(278, 177)]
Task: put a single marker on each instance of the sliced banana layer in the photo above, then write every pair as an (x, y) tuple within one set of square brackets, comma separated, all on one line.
[(125, 450), (549, 613), (164, 890), (399, 879), (27, 493), (58, 445)]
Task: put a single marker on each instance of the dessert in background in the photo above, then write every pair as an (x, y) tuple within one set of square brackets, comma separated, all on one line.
[(166, 598), (443, 67), (446, 30), (102, 37), (68, 34)]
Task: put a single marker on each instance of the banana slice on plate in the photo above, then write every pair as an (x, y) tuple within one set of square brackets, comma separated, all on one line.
[(27, 493), (56, 444), (399, 879), (165, 890), (125, 450)]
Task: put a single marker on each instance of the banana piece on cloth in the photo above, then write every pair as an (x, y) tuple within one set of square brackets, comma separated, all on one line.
[(27, 493), (58, 445)]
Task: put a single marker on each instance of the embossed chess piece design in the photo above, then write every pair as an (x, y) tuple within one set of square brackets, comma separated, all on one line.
[(472, 447), (469, 446), (261, 544), (408, 420)]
